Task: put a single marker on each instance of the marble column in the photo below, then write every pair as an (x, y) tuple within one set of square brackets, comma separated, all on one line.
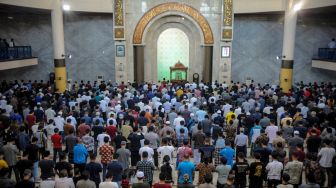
[(286, 73), (226, 41), (58, 44)]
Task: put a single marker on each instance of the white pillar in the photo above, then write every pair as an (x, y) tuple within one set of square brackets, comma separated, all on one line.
[(289, 31), (58, 44), (286, 73)]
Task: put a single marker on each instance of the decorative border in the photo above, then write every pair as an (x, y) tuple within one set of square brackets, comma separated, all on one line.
[(118, 13), (178, 7), (119, 33), (227, 19), (227, 34)]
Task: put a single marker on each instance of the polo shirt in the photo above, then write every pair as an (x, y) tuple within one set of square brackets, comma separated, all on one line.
[(80, 154), (274, 169), (185, 167), (57, 141), (228, 153), (241, 139)]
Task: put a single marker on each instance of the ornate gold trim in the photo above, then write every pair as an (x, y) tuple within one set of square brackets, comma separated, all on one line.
[(119, 33), (178, 7), (227, 18), (118, 13), (227, 34)]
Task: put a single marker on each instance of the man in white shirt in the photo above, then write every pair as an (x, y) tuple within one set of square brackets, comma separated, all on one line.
[(274, 170), (100, 138), (50, 113), (226, 108), (73, 120), (326, 155), (178, 119), (165, 150), (271, 131), (149, 150), (59, 122), (332, 44)]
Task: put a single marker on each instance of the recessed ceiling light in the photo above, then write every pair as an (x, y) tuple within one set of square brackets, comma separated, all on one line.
[(66, 7), (297, 6)]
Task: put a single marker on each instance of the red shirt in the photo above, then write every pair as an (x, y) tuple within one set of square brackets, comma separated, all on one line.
[(165, 185), (31, 120), (82, 129), (57, 141), (111, 130)]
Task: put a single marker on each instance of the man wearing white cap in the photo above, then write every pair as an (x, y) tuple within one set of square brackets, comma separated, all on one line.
[(141, 184)]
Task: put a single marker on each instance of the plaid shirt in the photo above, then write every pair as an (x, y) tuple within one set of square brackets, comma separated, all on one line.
[(147, 168)]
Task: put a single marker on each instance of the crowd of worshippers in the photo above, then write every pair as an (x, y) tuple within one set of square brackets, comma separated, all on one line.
[(109, 135)]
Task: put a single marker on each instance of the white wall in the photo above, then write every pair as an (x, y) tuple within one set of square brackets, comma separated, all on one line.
[(240, 6)]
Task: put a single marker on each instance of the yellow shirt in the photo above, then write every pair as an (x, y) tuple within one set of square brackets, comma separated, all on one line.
[(179, 92), (3, 164), (228, 117), (126, 130)]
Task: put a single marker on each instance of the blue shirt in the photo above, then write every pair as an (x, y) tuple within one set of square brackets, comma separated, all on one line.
[(80, 154), (200, 115), (228, 153), (185, 167)]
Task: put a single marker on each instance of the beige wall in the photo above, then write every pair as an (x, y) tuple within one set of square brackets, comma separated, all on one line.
[(240, 6)]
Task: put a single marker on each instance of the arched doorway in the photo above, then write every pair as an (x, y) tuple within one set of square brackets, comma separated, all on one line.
[(172, 46), (180, 15)]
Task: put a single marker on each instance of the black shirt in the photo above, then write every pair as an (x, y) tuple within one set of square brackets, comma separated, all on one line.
[(116, 168), (47, 169), (240, 169), (313, 144), (25, 184), (32, 152), (94, 169), (264, 153), (64, 165), (135, 141), (257, 171), (24, 164)]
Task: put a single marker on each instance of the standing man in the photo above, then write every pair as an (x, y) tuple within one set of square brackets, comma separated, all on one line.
[(228, 153), (10, 151), (116, 169), (326, 155), (106, 152), (154, 142), (254, 134), (123, 155), (185, 167), (198, 139), (56, 139), (79, 156), (94, 168), (294, 170), (274, 170), (135, 145), (271, 131), (147, 167), (241, 142)]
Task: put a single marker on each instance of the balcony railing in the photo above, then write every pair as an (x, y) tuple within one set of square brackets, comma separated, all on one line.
[(17, 52), (328, 54)]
